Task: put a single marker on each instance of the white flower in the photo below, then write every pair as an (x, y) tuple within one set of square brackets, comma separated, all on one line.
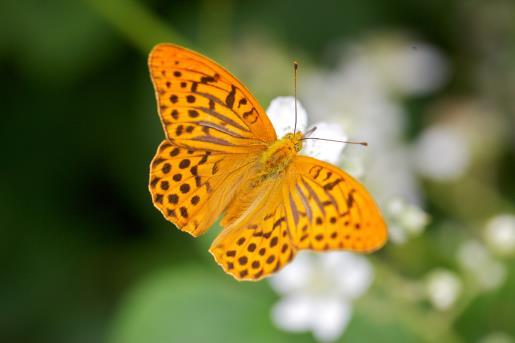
[(500, 234), (295, 314), (389, 174), (405, 220), (324, 150), (441, 153), (443, 288), (354, 161), (281, 112), (406, 66), (475, 125), (475, 259), (317, 292)]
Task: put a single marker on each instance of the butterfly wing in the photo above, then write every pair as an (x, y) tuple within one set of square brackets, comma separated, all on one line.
[(317, 207), (331, 210), (214, 128), (202, 105), (258, 241)]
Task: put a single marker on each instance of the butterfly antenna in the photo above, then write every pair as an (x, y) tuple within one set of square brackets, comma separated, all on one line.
[(309, 132), (335, 140), (295, 67)]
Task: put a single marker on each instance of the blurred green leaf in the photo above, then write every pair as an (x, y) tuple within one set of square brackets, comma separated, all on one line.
[(56, 42), (193, 305), (137, 23), (478, 318), (362, 328)]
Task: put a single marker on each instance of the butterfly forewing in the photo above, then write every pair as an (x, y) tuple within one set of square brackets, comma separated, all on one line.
[(260, 242), (202, 105)]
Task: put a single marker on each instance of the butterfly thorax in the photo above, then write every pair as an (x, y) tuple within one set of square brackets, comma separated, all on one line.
[(278, 156)]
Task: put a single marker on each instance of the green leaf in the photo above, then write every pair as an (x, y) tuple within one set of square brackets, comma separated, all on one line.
[(194, 305)]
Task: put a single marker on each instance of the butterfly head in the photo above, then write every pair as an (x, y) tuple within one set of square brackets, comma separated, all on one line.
[(295, 139)]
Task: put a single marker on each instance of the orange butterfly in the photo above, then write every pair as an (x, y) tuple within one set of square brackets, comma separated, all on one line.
[(221, 156)]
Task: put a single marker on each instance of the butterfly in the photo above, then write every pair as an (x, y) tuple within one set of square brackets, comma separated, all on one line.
[(221, 157)]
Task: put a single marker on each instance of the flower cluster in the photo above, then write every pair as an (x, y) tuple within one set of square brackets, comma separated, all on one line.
[(318, 291)]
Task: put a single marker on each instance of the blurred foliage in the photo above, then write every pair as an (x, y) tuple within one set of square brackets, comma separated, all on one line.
[(86, 256), (230, 312)]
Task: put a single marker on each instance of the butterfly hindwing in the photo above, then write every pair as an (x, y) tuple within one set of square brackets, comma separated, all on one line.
[(259, 243), (314, 206), (330, 210), (202, 105)]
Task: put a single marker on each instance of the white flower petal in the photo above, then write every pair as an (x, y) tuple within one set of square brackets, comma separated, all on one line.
[(352, 273), (385, 185), (409, 218), (414, 220), (353, 161), (443, 288), (330, 320), (293, 313), (294, 276), (324, 150), (500, 234), (281, 112), (441, 154), (396, 234), (396, 207)]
